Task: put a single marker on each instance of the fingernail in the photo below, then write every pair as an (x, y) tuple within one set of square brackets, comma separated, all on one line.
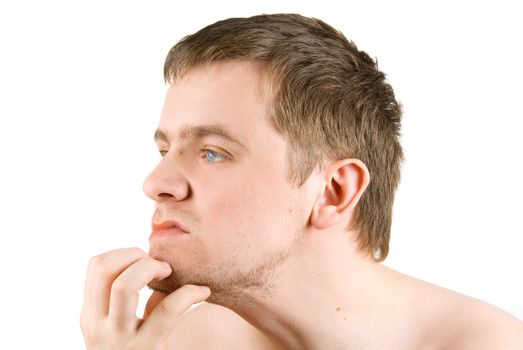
[(205, 289), (167, 265)]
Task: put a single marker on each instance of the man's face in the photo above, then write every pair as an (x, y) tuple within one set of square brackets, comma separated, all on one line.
[(245, 219)]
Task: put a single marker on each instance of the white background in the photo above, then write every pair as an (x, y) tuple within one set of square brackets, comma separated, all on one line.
[(81, 89)]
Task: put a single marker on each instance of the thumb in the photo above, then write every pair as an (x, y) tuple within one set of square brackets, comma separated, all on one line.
[(163, 317)]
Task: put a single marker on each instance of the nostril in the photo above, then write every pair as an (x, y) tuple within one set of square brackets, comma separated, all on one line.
[(165, 195)]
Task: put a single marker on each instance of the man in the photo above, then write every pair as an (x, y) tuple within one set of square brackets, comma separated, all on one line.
[(281, 156)]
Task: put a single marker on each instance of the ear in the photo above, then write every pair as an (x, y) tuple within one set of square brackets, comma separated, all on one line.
[(346, 180)]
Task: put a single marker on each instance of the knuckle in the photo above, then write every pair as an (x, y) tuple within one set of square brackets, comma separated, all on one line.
[(97, 265), (102, 270), (119, 288), (95, 260), (135, 250)]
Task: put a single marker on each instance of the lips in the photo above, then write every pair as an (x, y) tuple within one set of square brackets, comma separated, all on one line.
[(168, 224)]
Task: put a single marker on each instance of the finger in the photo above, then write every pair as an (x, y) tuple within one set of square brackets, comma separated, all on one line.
[(102, 271), (154, 299), (162, 319), (124, 291)]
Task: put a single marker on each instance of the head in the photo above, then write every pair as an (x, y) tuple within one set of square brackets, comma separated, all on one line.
[(318, 148)]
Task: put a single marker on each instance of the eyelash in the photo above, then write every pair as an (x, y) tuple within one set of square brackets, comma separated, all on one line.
[(207, 151)]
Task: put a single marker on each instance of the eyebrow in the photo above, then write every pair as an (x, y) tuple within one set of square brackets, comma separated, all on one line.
[(199, 131)]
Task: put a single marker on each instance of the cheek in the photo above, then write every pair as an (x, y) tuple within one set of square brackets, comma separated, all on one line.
[(237, 207), (235, 225), (242, 212), (258, 214)]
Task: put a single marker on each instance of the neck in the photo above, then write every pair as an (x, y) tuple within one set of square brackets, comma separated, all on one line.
[(327, 296)]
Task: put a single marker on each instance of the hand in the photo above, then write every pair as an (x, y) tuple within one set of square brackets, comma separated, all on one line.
[(108, 319)]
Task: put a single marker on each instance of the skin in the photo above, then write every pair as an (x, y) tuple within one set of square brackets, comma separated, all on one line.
[(108, 318), (278, 257)]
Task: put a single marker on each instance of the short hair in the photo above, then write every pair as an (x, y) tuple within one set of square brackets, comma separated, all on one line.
[(328, 99)]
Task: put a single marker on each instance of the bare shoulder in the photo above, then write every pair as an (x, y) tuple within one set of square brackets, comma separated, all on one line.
[(446, 319), (213, 327), (475, 324)]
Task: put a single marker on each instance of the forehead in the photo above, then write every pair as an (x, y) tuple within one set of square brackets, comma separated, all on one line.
[(230, 94)]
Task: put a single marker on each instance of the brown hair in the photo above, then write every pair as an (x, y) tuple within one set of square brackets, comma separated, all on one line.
[(329, 100)]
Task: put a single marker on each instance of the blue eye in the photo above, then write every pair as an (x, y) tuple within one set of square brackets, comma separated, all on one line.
[(212, 156), (209, 155)]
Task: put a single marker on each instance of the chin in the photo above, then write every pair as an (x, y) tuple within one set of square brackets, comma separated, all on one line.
[(167, 285)]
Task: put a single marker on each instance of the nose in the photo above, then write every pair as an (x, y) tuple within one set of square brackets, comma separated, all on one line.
[(166, 183)]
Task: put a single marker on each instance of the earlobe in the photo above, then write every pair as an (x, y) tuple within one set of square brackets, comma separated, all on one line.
[(323, 216), (346, 181)]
